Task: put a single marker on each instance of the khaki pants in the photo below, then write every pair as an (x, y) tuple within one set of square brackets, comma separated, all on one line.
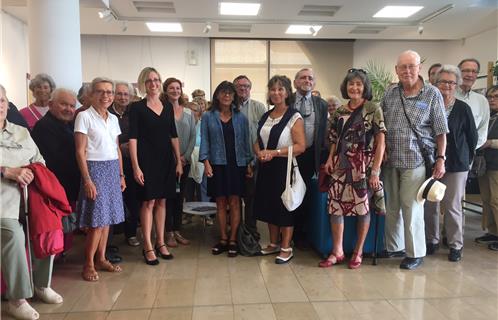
[(15, 266), (488, 184)]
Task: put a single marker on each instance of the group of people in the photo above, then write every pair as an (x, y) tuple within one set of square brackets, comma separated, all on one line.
[(124, 160)]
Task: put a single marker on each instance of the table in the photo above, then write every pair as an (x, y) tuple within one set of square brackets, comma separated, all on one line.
[(199, 208)]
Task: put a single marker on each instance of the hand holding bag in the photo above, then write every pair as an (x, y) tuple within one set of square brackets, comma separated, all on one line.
[(293, 195)]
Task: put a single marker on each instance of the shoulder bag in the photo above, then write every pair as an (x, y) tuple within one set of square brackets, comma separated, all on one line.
[(294, 192)]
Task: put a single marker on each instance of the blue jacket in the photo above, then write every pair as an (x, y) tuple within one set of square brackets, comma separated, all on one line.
[(213, 144)]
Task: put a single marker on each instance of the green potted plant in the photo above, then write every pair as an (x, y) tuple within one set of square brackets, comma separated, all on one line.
[(379, 77)]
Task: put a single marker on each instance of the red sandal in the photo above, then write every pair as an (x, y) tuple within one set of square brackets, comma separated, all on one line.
[(355, 261), (331, 260)]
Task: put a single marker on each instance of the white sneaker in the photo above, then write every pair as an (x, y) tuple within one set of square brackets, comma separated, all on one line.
[(133, 242), (48, 295), (23, 311)]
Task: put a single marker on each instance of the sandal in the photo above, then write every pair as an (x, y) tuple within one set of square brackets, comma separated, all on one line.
[(89, 274), (106, 265), (355, 261), (220, 247), (272, 248), (331, 260), (232, 249), (281, 260), (165, 256)]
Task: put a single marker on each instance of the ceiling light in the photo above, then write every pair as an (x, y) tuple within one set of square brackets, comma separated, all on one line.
[(164, 27), (303, 29), (397, 11), (238, 9)]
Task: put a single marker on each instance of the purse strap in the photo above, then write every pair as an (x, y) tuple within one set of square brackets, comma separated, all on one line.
[(289, 166), (419, 139)]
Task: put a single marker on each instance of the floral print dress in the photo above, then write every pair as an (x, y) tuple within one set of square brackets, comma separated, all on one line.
[(353, 134)]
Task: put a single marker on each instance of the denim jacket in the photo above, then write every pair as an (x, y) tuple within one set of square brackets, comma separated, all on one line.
[(213, 144)]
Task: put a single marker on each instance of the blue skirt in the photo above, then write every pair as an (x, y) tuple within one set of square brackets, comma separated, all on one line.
[(107, 209)]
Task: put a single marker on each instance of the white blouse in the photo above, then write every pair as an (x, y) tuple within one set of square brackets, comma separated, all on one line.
[(285, 139)]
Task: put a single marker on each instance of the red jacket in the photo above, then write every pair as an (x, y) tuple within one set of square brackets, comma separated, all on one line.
[(47, 201)]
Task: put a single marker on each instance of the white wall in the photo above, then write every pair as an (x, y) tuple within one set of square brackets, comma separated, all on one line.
[(14, 62), (123, 57)]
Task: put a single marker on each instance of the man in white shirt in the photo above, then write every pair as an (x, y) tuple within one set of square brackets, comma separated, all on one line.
[(479, 105)]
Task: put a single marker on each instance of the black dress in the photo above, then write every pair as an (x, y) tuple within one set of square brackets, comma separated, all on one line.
[(227, 180), (154, 149)]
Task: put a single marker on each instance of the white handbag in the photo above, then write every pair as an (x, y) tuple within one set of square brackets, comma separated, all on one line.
[(293, 195)]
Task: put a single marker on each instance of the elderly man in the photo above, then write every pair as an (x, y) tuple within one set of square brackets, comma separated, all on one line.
[(478, 103), (120, 108), (253, 110), (313, 109), (411, 109), (433, 69)]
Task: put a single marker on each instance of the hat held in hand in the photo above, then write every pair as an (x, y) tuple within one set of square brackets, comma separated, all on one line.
[(431, 190)]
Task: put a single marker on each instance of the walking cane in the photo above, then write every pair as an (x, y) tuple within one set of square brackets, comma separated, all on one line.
[(28, 243)]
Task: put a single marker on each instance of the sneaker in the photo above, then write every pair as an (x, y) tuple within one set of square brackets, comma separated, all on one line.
[(48, 295), (22, 311), (455, 255), (493, 246), (487, 238), (133, 242)]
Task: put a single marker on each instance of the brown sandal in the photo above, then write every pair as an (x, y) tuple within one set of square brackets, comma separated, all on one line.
[(106, 265), (89, 274)]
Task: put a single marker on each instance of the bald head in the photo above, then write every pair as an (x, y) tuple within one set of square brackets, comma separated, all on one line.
[(62, 104)]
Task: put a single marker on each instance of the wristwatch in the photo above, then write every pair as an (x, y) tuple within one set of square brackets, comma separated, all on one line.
[(441, 157)]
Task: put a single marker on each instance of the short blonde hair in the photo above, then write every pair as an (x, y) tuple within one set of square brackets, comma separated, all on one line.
[(143, 76), (100, 80)]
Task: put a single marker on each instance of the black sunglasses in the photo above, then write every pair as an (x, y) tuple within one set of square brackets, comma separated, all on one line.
[(357, 70)]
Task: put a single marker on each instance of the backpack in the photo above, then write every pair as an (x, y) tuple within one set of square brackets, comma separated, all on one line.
[(247, 242)]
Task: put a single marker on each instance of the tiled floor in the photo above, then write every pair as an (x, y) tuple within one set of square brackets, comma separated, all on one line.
[(197, 285)]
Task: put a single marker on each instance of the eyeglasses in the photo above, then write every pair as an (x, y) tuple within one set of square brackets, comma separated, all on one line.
[(357, 70), (243, 86), (446, 82), (410, 67), (492, 96), (155, 80), (122, 94), (227, 93), (104, 92), (473, 71)]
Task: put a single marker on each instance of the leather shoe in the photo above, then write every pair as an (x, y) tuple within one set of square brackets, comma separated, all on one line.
[(113, 258), (432, 248), (455, 255), (411, 263), (392, 254)]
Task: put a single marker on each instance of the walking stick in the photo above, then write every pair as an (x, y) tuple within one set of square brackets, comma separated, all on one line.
[(28, 243)]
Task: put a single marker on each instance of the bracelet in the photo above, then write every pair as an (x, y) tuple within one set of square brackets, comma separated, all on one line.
[(278, 151), (375, 173), (441, 157)]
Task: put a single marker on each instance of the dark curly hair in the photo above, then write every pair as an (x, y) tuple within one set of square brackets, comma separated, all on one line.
[(222, 87), (362, 75)]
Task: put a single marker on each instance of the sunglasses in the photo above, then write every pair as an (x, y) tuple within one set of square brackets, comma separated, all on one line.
[(357, 70)]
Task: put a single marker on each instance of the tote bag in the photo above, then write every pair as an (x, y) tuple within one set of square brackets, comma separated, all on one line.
[(293, 195)]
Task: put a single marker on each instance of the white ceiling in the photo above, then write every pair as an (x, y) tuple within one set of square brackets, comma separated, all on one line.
[(466, 18)]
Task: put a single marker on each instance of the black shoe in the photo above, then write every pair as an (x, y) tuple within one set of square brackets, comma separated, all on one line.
[(391, 254), (168, 256), (113, 257), (154, 262), (445, 242), (432, 248), (493, 246), (487, 238), (455, 255), (411, 263)]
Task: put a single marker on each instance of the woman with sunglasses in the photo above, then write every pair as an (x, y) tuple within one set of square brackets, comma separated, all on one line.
[(225, 152), (356, 149)]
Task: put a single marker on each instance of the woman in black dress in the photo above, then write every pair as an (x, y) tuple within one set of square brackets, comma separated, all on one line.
[(154, 150), (225, 152)]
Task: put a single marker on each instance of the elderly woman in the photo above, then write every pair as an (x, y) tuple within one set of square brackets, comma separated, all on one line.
[(357, 135), (225, 152), (155, 158), (185, 127), (18, 150), (332, 104), (488, 183), (201, 101), (99, 159), (41, 87), (461, 143), (279, 128)]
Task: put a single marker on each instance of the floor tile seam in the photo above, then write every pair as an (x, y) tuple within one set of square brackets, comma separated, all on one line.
[(442, 316), (298, 281), (81, 293)]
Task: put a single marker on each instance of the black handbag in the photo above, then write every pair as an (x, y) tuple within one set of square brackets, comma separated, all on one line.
[(427, 152)]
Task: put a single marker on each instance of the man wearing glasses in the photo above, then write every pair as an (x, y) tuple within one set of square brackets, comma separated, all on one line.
[(253, 110), (413, 111), (313, 109)]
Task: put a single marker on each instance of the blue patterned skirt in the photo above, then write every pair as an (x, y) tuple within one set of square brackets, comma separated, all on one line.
[(107, 209)]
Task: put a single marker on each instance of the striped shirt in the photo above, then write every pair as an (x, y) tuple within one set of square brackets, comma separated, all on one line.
[(427, 116)]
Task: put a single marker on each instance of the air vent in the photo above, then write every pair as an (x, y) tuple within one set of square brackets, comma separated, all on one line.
[(234, 27), (154, 7), (320, 11), (367, 30)]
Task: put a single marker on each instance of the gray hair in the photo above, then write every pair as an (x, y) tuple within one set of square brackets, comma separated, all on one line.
[(40, 79), (55, 94), (451, 69), (412, 53), (131, 90), (2, 88), (334, 99), (303, 69), (101, 80)]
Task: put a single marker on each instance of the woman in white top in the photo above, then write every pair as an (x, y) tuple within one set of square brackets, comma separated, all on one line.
[(278, 129), (99, 159)]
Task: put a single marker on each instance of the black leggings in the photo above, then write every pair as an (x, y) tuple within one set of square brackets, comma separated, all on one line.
[(174, 206)]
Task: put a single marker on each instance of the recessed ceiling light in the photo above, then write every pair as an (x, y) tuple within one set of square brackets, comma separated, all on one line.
[(239, 9), (397, 11), (164, 27), (302, 29)]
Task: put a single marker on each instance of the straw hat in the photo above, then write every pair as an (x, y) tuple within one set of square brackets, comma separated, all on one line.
[(431, 190)]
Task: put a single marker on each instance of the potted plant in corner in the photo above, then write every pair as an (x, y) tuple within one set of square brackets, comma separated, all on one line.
[(380, 78)]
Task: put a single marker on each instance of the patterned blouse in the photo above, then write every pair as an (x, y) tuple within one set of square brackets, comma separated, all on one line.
[(353, 134)]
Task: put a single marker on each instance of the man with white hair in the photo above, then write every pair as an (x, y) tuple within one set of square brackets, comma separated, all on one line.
[(414, 115)]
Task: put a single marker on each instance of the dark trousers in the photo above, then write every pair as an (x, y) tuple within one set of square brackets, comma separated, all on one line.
[(132, 205), (174, 206), (306, 163), (249, 219)]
